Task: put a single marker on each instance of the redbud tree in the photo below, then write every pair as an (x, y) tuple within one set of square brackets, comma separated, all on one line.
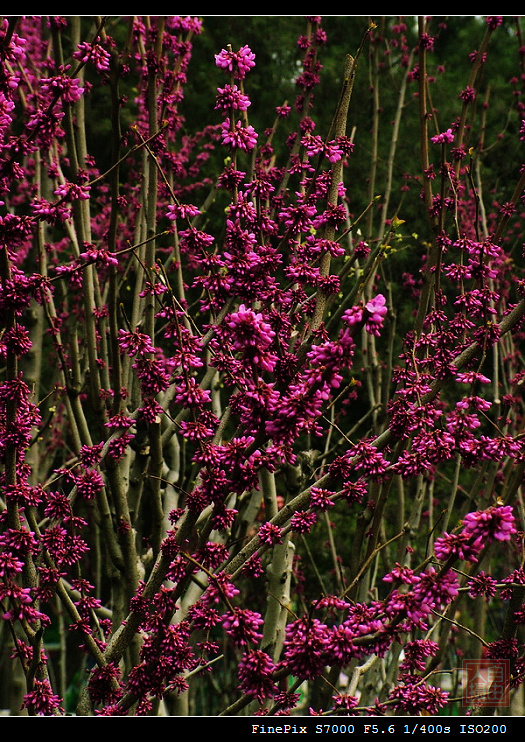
[(261, 451)]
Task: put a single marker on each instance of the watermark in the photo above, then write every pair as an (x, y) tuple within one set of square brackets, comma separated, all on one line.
[(486, 682)]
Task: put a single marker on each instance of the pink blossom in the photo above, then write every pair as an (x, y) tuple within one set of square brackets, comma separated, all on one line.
[(320, 499), (182, 211), (89, 482), (353, 316), (494, 21), (482, 584), (305, 647), (302, 522), (72, 191), (252, 335), (456, 545), (66, 87), (99, 255), (237, 62), (135, 343), (443, 138), (470, 377), (9, 564), (416, 654), (414, 697), (270, 534), (426, 41), (375, 311), (494, 523), (240, 137), (468, 95), (95, 53), (41, 700), (255, 675), (242, 625), (231, 97), (189, 393), (283, 111)]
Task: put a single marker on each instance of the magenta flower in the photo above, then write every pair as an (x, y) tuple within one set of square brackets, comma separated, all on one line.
[(414, 697), (153, 377), (482, 584), (353, 316), (41, 700), (104, 684), (372, 314), (182, 211), (237, 62), (120, 421), (365, 457), (302, 522), (305, 647), (15, 340), (495, 523), (320, 499), (375, 311), (252, 335), (255, 675), (98, 255), (470, 377), (68, 88), (270, 534), (242, 625), (94, 53), (135, 343), (297, 218), (502, 649), (443, 138), (238, 137), (88, 483), (344, 705), (72, 191), (6, 106), (426, 41), (494, 21), (9, 564), (457, 545), (416, 654), (314, 144), (229, 364), (332, 603), (468, 94), (401, 574), (50, 213), (283, 111), (230, 96)]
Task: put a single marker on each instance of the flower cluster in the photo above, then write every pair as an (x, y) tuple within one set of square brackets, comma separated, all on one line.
[(372, 314), (235, 134), (94, 54), (239, 62), (443, 138), (480, 529)]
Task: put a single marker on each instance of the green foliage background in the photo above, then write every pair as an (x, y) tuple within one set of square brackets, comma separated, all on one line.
[(273, 39), (494, 118)]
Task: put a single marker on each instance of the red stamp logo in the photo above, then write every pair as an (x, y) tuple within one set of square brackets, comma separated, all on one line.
[(486, 682)]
